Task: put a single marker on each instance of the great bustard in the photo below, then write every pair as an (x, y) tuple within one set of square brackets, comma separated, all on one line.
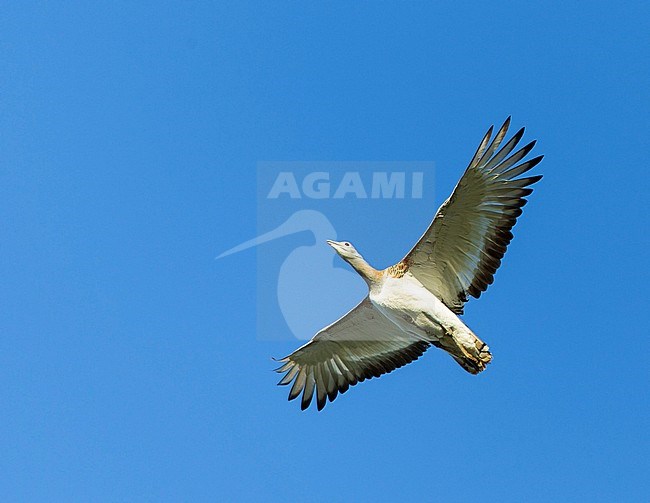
[(415, 303)]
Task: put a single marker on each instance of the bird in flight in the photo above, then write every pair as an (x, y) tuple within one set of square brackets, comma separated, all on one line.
[(415, 303)]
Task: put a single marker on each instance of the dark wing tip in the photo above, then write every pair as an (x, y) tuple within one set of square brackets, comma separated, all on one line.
[(535, 161), (519, 134), (530, 146), (533, 179)]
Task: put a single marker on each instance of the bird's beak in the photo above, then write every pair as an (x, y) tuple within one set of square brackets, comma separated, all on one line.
[(336, 245)]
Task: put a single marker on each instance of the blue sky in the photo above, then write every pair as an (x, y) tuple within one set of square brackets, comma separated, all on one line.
[(131, 364)]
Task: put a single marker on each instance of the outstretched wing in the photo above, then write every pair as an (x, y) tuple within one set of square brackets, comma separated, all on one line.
[(361, 345), (461, 250)]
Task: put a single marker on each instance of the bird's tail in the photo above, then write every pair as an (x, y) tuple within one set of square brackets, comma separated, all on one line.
[(469, 351)]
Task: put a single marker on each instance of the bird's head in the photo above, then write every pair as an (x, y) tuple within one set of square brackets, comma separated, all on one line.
[(349, 253), (344, 249)]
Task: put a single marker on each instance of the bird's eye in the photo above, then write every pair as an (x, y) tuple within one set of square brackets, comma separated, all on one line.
[(346, 244)]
